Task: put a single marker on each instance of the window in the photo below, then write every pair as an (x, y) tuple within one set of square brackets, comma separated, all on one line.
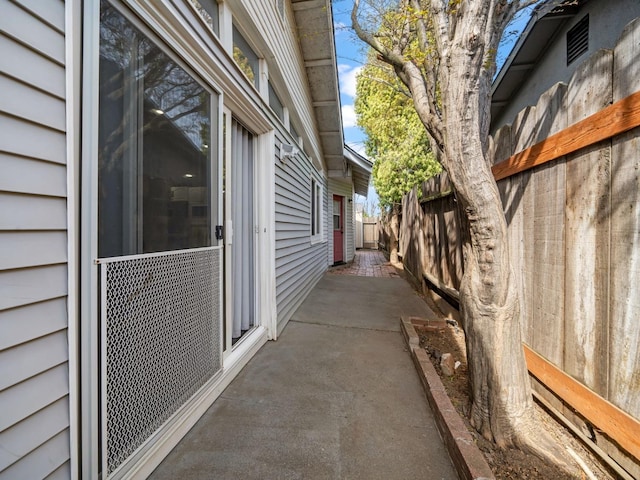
[(280, 8), (245, 58), (295, 133), (578, 39), (155, 146), (208, 10), (316, 210), (275, 103)]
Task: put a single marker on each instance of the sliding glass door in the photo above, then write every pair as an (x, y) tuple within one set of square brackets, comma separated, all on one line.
[(241, 231)]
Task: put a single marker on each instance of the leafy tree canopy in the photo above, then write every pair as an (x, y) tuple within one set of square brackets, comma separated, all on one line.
[(397, 140)]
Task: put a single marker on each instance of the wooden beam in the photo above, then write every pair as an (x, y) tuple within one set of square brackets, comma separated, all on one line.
[(618, 118), (617, 424)]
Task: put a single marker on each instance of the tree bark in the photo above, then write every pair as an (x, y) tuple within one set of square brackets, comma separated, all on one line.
[(502, 406), (395, 235)]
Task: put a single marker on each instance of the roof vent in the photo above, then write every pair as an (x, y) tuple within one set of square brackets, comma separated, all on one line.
[(578, 39)]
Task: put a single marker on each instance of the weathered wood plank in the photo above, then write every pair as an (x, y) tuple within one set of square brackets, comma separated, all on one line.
[(624, 382), (547, 305), (619, 425), (616, 119), (587, 235), (522, 229)]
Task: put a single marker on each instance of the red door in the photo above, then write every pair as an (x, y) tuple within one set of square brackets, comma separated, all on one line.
[(338, 229)]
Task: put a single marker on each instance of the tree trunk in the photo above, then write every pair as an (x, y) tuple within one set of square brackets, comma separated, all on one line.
[(502, 402), (394, 235), (502, 405)]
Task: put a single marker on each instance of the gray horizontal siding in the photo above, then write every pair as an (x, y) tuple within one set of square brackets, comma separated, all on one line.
[(63, 472), (23, 437), (30, 30), (19, 61), (29, 396), (26, 286), (42, 461), (20, 325), (31, 176), (30, 212), (299, 263), (32, 105), (43, 354), (34, 370)]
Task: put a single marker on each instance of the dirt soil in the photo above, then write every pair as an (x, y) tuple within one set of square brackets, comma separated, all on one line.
[(511, 463)]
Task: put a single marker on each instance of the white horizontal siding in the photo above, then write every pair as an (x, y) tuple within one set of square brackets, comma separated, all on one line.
[(28, 397), (51, 12), (23, 437), (32, 105), (31, 31), (44, 460), (23, 324), (34, 248), (30, 212), (26, 175), (20, 137), (34, 371), (63, 472), (43, 354), (20, 61), (25, 286)]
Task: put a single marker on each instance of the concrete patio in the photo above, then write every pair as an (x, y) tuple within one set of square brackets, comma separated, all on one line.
[(335, 397)]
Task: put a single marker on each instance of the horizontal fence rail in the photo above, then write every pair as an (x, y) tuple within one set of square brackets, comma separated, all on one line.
[(618, 118)]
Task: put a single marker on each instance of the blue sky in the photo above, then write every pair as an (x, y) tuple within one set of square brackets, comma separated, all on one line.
[(351, 54)]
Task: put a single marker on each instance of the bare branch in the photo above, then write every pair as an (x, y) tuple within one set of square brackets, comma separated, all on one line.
[(390, 57)]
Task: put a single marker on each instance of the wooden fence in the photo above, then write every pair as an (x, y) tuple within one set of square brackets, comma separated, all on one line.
[(568, 171)]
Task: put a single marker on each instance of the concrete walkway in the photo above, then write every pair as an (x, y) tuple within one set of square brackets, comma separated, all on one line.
[(336, 397)]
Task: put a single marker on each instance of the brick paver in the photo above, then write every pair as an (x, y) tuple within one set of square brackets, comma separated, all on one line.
[(367, 263)]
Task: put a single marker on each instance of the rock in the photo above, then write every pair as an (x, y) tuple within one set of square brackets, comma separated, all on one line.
[(447, 364)]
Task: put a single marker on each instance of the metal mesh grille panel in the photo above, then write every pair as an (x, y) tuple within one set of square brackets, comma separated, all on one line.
[(162, 343)]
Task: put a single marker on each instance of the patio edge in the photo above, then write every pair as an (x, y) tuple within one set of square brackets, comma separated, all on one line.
[(467, 458)]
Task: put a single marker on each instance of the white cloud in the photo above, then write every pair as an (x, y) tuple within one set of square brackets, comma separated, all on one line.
[(348, 116), (347, 75)]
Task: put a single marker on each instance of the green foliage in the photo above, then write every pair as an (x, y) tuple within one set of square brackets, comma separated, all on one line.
[(397, 140), (243, 62)]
